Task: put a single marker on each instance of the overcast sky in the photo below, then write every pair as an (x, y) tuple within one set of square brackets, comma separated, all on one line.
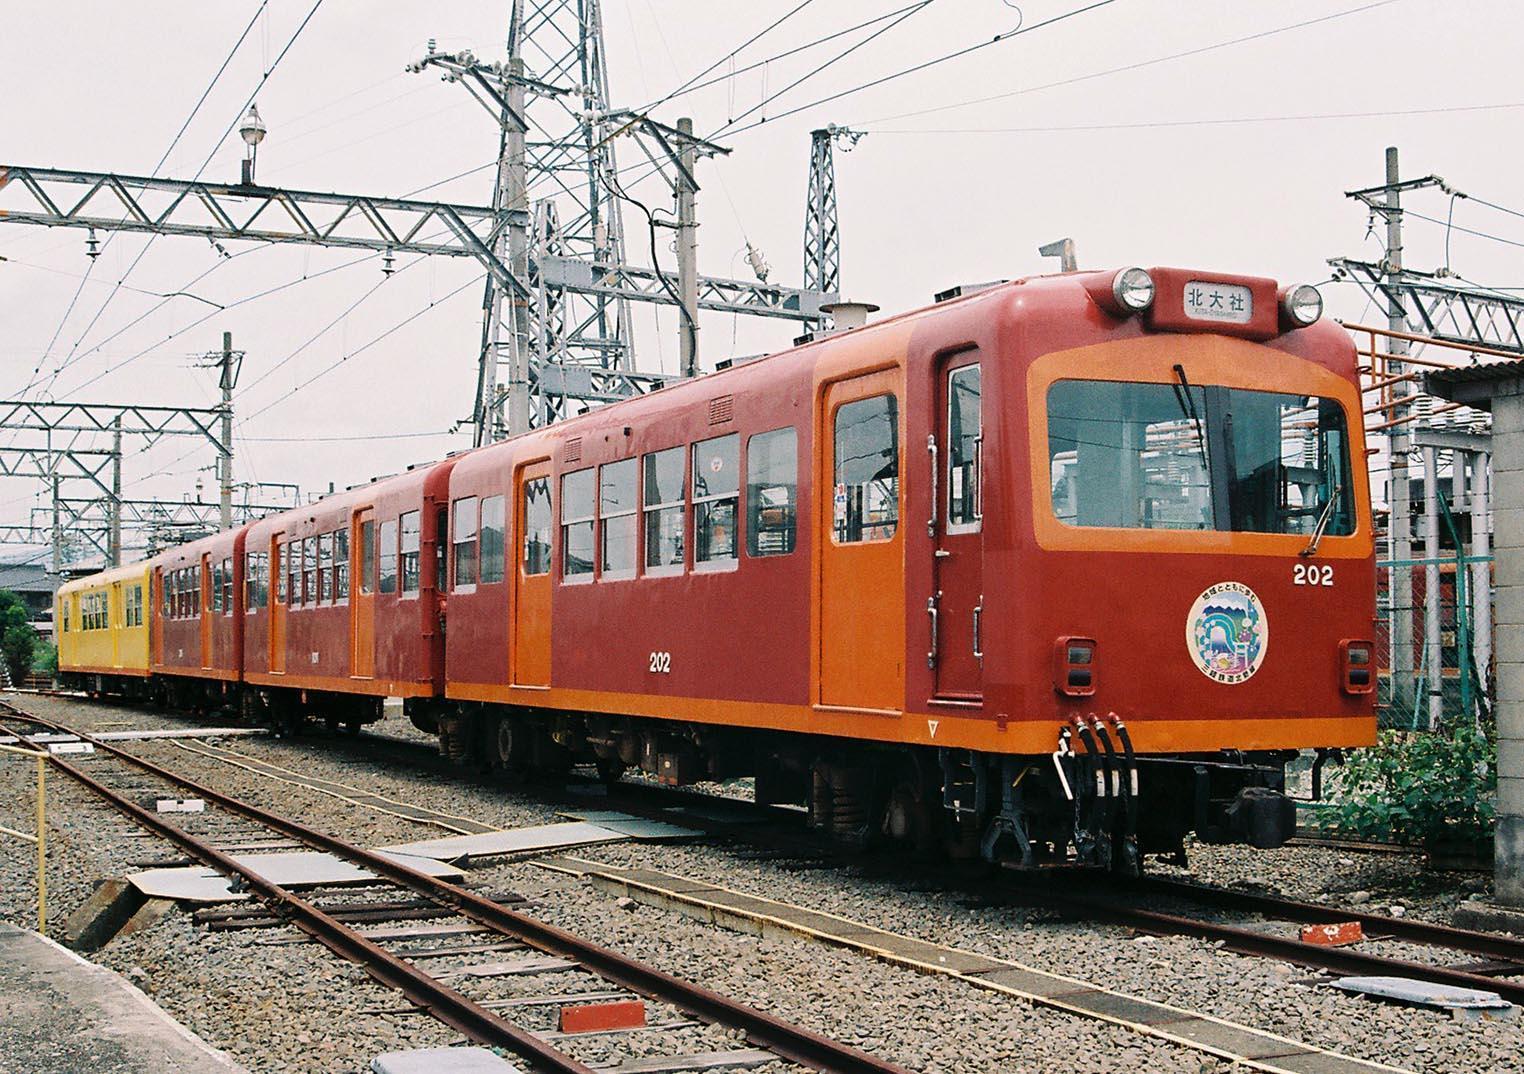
[(1140, 129)]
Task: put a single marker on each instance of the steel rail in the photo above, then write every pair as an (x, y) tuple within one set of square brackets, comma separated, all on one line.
[(1492, 945), (444, 1003), (789, 1041), (1248, 941)]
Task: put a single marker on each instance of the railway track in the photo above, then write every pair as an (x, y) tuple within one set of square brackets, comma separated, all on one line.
[(1496, 959), (118, 777)]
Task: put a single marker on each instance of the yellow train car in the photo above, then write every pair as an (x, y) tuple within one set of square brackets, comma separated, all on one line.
[(101, 624)]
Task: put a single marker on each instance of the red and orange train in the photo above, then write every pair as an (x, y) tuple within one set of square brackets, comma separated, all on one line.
[(1063, 568)]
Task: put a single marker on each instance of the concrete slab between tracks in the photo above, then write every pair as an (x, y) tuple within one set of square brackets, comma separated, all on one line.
[(1252, 1049), (297, 869), (60, 1014)]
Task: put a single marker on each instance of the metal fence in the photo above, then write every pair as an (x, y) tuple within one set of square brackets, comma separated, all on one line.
[(1446, 675)]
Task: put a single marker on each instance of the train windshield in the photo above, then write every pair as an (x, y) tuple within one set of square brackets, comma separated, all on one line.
[(1184, 456)]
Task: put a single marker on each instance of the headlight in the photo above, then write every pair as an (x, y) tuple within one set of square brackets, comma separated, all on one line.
[(1133, 288), (1303, 305)]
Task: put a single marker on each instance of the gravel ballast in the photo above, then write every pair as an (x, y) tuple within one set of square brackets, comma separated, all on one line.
[(295, 1007)]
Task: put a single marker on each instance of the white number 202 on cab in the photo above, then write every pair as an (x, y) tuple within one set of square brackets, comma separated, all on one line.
[(1312, 574), (661, 663)]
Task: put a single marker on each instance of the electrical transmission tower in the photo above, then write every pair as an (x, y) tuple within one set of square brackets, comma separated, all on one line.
[(822, 232)]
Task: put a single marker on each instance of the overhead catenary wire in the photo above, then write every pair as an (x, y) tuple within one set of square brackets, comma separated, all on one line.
[(1138, 65), (195, 110), (238, 115)]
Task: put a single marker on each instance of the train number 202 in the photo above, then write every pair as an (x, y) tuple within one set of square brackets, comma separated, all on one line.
[(1311, 574), (661, 663)]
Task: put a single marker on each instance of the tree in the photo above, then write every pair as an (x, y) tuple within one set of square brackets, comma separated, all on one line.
[(17, 638)]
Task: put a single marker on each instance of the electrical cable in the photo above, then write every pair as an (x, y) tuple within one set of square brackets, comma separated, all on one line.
[(1133, 66), (265, 77), (171, 148), (913, 10), (689, 87)]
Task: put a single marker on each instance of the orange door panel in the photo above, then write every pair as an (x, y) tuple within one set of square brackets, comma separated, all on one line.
[(531, 589), (862, 570), (362, 598), (280, 596), (958, 556)]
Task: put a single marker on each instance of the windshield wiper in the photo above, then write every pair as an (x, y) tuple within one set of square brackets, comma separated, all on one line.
[(1188, 408), (1324, 517)]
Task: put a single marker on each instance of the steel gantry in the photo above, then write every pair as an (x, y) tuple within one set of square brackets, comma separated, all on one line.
[(104, 202), (1435, 307)]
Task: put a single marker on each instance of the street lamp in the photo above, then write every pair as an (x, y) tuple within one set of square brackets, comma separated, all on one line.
[(252, 131)]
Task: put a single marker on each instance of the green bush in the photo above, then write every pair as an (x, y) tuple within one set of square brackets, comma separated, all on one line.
[(17, 638), (1421, 787), (45, 658)]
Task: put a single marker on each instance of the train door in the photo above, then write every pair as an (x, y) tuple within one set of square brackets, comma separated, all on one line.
[(206, 610), (362, 597), (531, 588), (280, 597), (117, 620), (862, 593), (957, 602)]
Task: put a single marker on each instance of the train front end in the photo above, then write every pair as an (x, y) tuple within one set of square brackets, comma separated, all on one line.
[(1200, 599)]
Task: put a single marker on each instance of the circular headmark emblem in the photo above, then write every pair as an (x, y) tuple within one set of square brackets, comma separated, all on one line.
[(1227, 633)]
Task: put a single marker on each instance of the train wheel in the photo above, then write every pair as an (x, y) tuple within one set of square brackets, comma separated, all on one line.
[(508, 746), (352, 727)]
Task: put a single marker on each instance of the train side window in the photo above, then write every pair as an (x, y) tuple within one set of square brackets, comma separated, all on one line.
[(716, 492), (965, 439), (616, 518), (341, 565), (217, 587), (227, 585), (409, 536), (278, 570), (577, 524), (309, 570), (441, 548), (250, 581), (866, 502), (494, 523), (772, 490), (63, 611), (386, 557), (368, 556), (663, 500), (537, 526), (325, 568), (464, 540)]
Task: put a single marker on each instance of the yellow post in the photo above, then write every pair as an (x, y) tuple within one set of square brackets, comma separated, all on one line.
[(42, 844), (41, 838)]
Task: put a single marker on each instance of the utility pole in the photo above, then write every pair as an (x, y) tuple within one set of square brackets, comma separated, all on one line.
[(114, 544), (227, 376), (1399, 499), (687, 250)]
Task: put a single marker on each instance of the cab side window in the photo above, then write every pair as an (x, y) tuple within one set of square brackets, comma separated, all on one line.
[(716, 493), (772, 492), (866, 489)]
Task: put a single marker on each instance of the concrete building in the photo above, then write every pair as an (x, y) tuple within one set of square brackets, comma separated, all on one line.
[(1499, 387)]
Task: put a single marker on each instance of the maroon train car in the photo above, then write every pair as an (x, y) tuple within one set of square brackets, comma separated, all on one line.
[(196, 648), (340, 601)]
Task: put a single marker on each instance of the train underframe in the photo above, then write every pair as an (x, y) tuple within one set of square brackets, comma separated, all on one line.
[(1093, 801)]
